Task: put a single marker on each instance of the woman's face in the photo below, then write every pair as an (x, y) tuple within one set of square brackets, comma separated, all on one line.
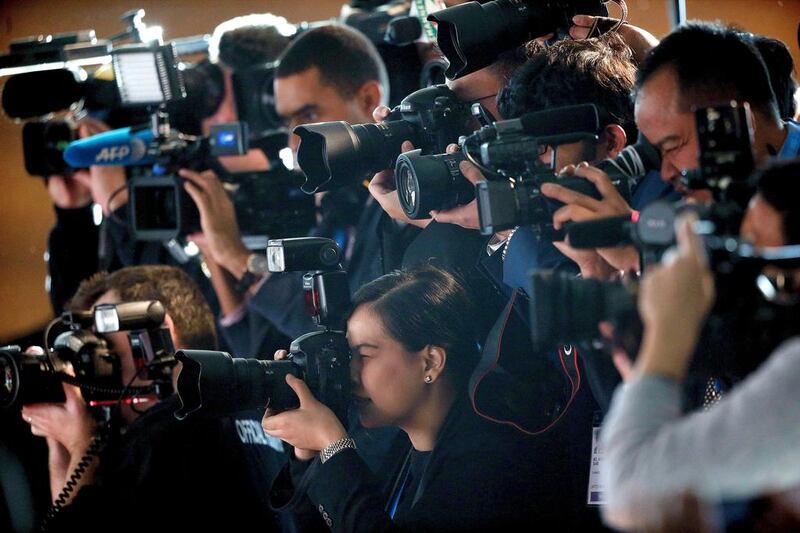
[(389, 381)]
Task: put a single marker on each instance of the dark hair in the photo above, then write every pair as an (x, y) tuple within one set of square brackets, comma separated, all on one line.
[(425, 306), (779, 185), (780, 67), (250, 40), (598, 71), (193, 320), (345, 58), (713, 64)]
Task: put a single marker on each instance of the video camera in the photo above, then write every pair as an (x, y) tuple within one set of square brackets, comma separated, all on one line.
[(30, 377), (335, 154), (472, 35), (37, 64), (508, 154), (217, 384)]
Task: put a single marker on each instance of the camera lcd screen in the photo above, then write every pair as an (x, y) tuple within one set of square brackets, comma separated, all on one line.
[(156, 208)]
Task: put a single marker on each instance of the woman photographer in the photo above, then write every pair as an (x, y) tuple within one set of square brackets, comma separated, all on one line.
[(413, 351)]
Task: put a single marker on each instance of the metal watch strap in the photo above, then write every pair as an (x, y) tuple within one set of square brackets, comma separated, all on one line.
[(335, 447)]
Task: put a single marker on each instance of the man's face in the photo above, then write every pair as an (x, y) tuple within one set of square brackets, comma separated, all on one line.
[(479, 87), (762, 224), (254, 160), (305, 98), (670, 129)]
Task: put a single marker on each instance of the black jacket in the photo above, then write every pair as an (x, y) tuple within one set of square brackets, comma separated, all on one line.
[(163, 474), (479, 476)]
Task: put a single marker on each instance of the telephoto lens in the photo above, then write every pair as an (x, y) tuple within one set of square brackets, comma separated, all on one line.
[(432, 182)]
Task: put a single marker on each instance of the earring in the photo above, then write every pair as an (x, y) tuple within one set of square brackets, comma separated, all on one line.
[(428, 379)]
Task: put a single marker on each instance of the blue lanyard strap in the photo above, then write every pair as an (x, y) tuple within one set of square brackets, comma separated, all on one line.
[(398, 494)]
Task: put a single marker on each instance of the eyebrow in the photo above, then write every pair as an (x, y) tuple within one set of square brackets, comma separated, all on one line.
[(668, 138), (363, 345), (305, 109)]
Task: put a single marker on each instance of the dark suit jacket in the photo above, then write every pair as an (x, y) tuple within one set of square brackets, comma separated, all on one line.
[(479, 476)]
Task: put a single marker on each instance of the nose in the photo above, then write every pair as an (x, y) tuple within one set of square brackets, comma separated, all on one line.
[(294, 143), (355, 370), (669, 172)]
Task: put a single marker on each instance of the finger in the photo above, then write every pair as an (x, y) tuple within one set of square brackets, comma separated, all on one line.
[(194, 178), (452, 148), (606, 329), (689, 243), (197, 194), (407, 146), (471, 172), (568, 170), (568, 196), (301, 389), (380, 113), (583, 20), (579, 33), (281, 354)]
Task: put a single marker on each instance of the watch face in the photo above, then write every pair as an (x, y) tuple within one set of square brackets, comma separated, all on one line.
[(257, 264)]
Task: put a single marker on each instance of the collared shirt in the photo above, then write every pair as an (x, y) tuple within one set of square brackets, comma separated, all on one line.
[(791, 146)]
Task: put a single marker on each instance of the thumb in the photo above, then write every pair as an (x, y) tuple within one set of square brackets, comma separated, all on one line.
[(301, 389), (583, 20)]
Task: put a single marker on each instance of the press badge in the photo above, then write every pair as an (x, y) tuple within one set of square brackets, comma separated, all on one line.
[(596, 494)]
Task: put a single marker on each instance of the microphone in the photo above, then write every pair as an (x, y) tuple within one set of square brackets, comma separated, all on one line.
[(601, 233), (122, 147)]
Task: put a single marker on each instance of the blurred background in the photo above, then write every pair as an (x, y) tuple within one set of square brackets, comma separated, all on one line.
[(26, 213)]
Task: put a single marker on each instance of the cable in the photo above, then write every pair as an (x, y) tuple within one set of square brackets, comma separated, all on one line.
[(106, 390), (111, 215), (95, 447)]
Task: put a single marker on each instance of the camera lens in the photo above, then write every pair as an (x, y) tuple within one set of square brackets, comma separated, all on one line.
[(434, 182), (336, 154), (219, 384), (9, 379)]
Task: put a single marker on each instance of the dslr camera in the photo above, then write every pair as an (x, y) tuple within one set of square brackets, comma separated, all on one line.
[(217, 384), (30, 377), (336, 154)]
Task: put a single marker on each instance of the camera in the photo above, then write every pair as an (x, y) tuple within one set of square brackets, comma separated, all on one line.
[(217, 384), (336, 154), (472, 35), (755, 309), (509, 155), (35, 377)]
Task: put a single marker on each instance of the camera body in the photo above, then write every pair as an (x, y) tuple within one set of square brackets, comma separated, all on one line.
[(218, 384), (336, 154), (36, 376)]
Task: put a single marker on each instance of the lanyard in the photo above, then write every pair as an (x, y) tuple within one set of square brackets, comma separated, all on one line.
[(400, 489)]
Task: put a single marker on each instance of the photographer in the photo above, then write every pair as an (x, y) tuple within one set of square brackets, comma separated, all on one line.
[(745, 445), (327, 73), (152, 467), (697, 65), (411, 362)]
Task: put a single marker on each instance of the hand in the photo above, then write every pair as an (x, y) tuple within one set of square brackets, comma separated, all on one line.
[(639, 40), (70, 192), (622, 362), (465, 215), (673, 301), (382, 187), (217, 220), (580, 208), (590, 262), (104, 181), (310, 427), (70, 424)]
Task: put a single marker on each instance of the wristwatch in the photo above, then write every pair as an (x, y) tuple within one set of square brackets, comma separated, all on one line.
[(256, 267), (335, 447)]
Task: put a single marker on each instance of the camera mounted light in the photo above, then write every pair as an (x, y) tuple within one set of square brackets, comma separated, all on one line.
[(147, 75), (109, 318)]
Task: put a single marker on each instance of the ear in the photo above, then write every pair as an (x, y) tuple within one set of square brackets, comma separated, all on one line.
[(435, 359), (369, 97), (613, 139)]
